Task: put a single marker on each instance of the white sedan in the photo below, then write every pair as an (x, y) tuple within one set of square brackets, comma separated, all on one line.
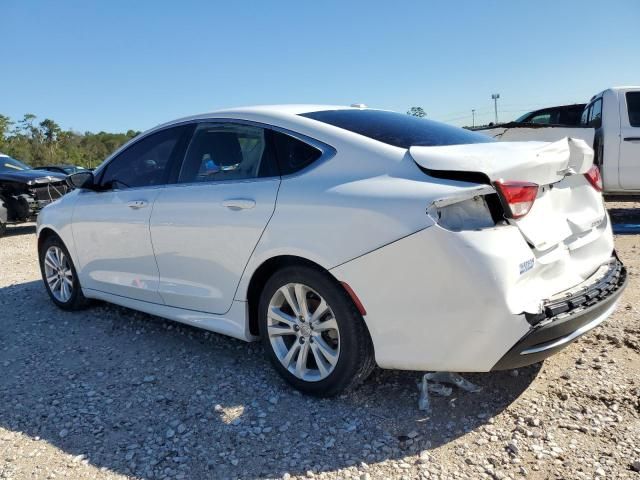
[(343, 237)]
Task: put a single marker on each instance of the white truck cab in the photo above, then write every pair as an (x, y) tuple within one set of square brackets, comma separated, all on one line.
[(610, 123)]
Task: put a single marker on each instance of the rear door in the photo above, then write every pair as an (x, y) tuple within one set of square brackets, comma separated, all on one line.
[(205, 227), (629, 163)]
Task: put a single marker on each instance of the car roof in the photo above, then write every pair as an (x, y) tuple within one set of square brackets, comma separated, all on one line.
[(262, 111)]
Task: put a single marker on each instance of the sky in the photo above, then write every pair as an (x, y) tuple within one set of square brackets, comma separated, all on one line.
[(116, 65)]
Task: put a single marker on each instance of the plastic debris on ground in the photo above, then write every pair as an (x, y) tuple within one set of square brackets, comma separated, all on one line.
[(433, 383)]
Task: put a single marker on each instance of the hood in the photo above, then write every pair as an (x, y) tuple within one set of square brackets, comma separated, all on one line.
[(539, 162), (23, 176)]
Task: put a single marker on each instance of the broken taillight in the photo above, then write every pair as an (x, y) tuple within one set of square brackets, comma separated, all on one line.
[(517, 197), (594, 177)]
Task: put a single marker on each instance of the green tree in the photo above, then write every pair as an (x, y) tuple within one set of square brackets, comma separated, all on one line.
[(47, 143), (417, 112), (50, 131), (5, 125)]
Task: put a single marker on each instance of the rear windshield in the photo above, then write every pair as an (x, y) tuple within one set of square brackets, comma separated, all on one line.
[(398, 129)]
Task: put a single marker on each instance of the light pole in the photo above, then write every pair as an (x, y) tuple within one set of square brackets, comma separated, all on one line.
[(473, 116), (495, 97)]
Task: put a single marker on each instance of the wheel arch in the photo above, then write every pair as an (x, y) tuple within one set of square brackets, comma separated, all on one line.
[(267, 269), (46, 233)]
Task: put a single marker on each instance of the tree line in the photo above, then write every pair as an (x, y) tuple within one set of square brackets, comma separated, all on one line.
[(39, 143)]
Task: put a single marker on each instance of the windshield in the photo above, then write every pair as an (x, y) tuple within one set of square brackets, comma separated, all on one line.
[(397, 129), (8, 164)]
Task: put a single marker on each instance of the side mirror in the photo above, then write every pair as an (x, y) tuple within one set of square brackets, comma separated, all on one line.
[(83, 180)]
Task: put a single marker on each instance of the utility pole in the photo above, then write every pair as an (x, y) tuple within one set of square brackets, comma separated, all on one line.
[(495, 97), (473, 116)]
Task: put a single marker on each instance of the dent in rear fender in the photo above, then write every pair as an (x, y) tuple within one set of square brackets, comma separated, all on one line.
[(438, 300), (330, 221)]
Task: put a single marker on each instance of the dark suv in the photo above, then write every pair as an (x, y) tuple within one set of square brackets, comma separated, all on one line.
[(24, 191)]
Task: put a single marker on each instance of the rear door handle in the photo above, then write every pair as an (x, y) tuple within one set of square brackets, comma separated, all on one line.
[(239, 203), (632, 139), (136, 204)]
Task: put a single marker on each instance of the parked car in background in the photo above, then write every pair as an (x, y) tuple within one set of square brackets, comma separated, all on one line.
[(64, 169), (563, 115), (343, 237), (24, 191), (610, 123)]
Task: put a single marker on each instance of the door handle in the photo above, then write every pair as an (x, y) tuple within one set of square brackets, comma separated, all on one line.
[(632, 139), (136, 204), (239, 203)]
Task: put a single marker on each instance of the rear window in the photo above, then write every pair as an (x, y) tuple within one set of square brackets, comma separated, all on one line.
[(293, 154), (633, 105), (398, 129)]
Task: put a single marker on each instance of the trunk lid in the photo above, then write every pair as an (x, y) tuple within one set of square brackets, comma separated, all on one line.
[(567, 209), (539, 162)]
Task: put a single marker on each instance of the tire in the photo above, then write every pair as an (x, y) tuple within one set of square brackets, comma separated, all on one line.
[(74, 299), (4, 216), (339, 353)]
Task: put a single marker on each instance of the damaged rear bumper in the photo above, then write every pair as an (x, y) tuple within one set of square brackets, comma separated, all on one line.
[(566, 319)]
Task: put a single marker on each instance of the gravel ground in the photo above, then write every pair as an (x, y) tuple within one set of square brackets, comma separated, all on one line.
[(111, 393)]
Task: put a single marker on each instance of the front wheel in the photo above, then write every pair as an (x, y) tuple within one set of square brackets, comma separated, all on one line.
[(314, 335), (59, 275)]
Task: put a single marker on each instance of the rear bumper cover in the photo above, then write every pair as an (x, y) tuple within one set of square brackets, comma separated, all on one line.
[(567, 319)]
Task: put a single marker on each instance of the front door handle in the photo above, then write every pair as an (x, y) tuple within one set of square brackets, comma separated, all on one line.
[(632, 139), (136, 204), (239, 203)]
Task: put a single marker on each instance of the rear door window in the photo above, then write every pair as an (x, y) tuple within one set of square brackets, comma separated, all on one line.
[(397, 129), (633, 108), (228, 151)]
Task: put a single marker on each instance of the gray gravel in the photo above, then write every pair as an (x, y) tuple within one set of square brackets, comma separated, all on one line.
[(111, 393)]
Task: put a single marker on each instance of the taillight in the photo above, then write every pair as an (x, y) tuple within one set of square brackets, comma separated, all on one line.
[(594, 177), (517, 196)]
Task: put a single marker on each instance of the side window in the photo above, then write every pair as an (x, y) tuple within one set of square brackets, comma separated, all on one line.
[(584, 118), (226, 151), (595, 114), (633, 107), (543, 118), (293, 154), (570, 117), (145, 163)]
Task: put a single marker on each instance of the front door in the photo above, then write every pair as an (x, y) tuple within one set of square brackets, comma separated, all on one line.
[(205, 228), (629, 166), (111, 225)]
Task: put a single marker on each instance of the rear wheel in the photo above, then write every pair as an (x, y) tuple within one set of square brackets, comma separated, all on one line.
[(59, 275), (313, 334), (3, 228)]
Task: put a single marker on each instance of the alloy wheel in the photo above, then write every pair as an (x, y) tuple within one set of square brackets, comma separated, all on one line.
[(303, 332), (58, 274)]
